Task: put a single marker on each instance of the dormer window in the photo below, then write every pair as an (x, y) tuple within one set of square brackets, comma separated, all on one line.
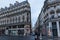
[(11, 6), (6, 8), (2, 9), (16, 4)]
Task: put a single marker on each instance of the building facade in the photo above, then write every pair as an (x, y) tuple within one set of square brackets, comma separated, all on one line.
[(37, 29), (16, 19), (50, 18)]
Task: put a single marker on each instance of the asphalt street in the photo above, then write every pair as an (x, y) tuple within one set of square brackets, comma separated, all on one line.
[(17, 37)]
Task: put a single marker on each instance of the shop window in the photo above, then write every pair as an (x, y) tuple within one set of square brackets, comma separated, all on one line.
[(21, 32)]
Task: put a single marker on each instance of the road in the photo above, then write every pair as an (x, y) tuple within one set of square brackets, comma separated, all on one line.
[(22, 38), (51, 39), (17, 37)]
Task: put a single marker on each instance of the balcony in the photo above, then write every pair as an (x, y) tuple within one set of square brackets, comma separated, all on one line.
[(46, 19), (53, 1)]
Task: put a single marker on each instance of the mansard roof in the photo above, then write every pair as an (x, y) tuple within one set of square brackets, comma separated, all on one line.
[(14, 5)]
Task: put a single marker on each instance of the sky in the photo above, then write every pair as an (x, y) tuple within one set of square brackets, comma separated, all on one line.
[(36, 6)]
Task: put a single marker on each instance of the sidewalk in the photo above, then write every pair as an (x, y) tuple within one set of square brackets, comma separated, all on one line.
[(54, 38)]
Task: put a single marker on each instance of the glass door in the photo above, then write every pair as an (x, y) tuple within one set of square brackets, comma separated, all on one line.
[(55, 33)]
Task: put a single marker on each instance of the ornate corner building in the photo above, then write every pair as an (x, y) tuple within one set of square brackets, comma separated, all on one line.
[(16, 19), (49, 19), (52, 17)]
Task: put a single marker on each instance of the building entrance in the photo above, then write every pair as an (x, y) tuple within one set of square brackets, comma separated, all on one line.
[(2, 32), (20, 32), (54, 31)]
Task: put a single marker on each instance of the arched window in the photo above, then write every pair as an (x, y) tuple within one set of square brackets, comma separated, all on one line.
[(52, 12), (58, 11)]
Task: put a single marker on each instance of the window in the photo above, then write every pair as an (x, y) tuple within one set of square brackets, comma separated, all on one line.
[(9, 27), (14, 19), (55, 33), (13, 32), (3, 21), (19, 18), (58, 11), (23, 18), (9, 32), (52, 16), (7, 21), (47, 8), (14, 27), (59, 25), (52, 12), (58, 16), (2, 31), (21, 26), (27, 17), (0, 22), (10, 19), (54, 25), (46, 16), (20, 32)]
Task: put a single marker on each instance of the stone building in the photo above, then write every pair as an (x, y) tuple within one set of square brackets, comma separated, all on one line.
[(16, 19), (50, 18), (37, 29)]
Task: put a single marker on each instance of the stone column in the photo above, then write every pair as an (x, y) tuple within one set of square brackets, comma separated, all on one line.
[(58, 28), (50, 28)]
